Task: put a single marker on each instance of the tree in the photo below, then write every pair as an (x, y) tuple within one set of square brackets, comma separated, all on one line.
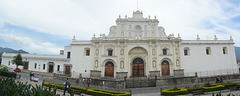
[(18, 59)]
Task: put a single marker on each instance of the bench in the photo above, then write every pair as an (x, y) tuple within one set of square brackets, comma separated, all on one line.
[(79, 92), (233, 88), (197, 92)]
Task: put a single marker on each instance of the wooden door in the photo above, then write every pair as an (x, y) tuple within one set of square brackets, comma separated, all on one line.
[(25, 65), (109, 69), (138, 68), (165, 68), (67, 69), (50, 70)]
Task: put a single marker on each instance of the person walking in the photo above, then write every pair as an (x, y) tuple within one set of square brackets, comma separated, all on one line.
[(31, 75), (88, 83), (83, 80), (77, 81), (67, 87)]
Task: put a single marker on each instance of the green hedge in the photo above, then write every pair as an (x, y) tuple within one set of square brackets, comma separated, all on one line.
[(214, 87), (228, 85), (90, 91), (180, 91), (8, 74), (191, 89)]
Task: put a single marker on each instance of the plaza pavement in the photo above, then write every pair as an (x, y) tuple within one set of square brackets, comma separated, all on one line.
[(40, 83), (147, 91)]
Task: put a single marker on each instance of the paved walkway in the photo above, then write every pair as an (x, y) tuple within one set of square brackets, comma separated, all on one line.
[(40, 83), (147, 91)]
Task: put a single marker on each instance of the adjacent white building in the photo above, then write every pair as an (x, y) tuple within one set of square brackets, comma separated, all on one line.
[(136, 47)]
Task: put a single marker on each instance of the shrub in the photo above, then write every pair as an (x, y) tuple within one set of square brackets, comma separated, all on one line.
[(8, 74), (228, 85), (179, 91), (194, 89), (10, 88), (214, 87), (90, 91)]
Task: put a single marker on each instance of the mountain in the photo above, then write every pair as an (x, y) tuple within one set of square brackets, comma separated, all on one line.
[(237, 51), (9, 50)]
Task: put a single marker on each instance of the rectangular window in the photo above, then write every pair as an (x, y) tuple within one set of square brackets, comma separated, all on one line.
[(185, 52), (207, 51), (43, 66), (110, 52), (58, 68), (164, 51), (87, 52), (224, 50), (68, 54), (35, 65)]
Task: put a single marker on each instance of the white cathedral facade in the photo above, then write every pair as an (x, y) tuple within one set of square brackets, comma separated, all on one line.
[(135, 47)]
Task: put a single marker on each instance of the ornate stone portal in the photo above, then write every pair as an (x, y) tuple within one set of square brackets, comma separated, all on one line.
[(138, 46)]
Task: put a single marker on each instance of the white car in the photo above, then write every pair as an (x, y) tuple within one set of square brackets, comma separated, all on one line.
[(11, 70), (34, 78)]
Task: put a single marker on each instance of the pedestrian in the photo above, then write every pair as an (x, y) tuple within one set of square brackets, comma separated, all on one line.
[(88, 83), (31, 75), (218, 79), (77, 81), (83, 80), (67, 87)]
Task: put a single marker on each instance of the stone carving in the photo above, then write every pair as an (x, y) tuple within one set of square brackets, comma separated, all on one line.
[(176, 50), (177, 63), (121, 64), (138, 50), (122, 51), (153, 51), (97, 51), (96, 63), (154, 64)]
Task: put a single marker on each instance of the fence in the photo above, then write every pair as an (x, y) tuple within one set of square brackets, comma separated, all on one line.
[(63, 73), (212, 72)]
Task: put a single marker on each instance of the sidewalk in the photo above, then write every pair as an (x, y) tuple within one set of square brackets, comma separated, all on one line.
[(146, 91), (58, 91)]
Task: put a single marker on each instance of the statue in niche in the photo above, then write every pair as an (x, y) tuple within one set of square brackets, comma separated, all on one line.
[(154, 64), (122, 52), (96, 63), (122, 65), (177, 63)]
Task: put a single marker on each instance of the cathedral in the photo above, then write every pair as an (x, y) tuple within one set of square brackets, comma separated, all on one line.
[(136, 47)]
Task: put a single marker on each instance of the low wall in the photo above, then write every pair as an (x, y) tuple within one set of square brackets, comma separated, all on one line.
[(118, 84), (150, 82), (191, 80), (38, 73)]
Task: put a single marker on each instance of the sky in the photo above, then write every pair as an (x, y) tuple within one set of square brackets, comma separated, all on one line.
[(46, 26)]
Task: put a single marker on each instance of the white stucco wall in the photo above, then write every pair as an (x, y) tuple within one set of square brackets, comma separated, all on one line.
[(81, 64), (37, 59), (216, 63)]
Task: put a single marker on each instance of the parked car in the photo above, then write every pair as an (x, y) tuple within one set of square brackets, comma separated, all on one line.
[(17, 70), (11, 70), (34, 78)]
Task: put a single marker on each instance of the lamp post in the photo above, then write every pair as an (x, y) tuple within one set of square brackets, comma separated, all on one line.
[(103, 85)]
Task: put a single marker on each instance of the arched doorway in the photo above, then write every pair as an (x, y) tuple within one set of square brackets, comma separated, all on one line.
[(109, 69), (138, 67), (165, 68)]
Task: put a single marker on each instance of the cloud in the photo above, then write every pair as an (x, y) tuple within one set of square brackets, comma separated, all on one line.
[(83, 18), (30, 44)]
